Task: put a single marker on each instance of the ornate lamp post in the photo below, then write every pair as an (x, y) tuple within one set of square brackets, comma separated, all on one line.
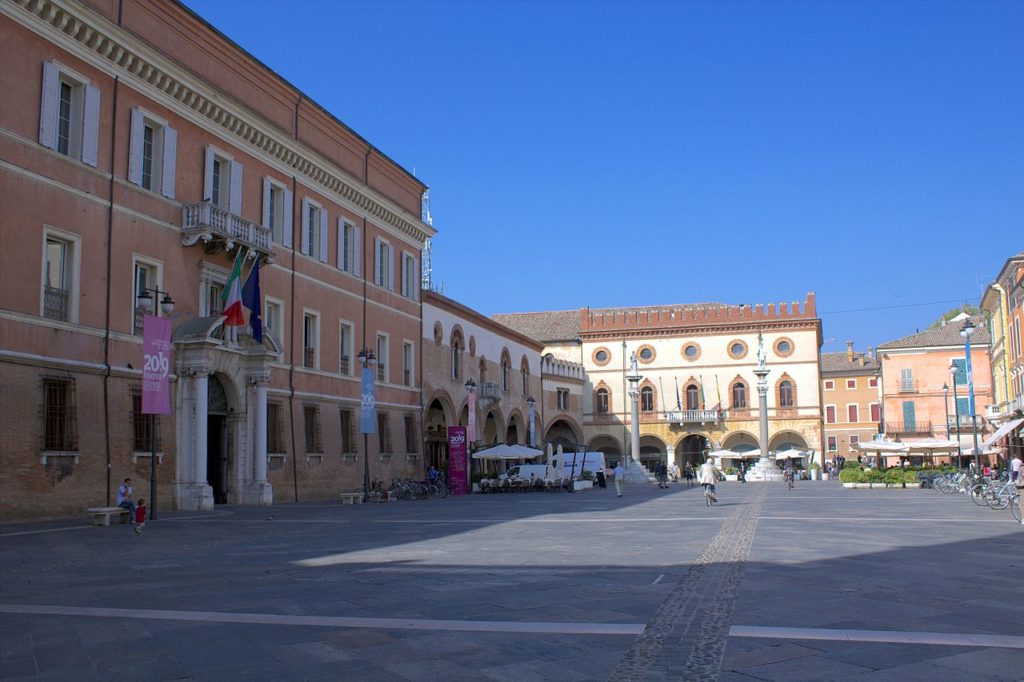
[(368, 412), (144, 301), (953, 370), (966, 332)]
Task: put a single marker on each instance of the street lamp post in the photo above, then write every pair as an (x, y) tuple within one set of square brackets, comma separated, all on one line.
[(945, 403), (470, 427), (953, 369), (367, 412), (966, 332), (145, 300)]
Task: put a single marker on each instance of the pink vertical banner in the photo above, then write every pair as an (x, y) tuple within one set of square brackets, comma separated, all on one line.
[(458, 461), (471, 429), (156, 365)]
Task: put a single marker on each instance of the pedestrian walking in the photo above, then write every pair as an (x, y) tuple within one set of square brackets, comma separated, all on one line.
[(743, 473), (662, 475), (619, 474), (688, 473), (140, 516), (1015, 465), (124, 499)]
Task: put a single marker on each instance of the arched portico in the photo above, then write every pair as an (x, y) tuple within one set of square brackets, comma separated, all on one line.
[(787, 440), (609, 445), (516, 431), (563, 432), (221, 403), (652, 451), (493, 431), (692, 449), (439, 415), (741, 441)]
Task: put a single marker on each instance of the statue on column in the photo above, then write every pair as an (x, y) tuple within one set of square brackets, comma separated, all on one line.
[(632, 363), (762, 355)]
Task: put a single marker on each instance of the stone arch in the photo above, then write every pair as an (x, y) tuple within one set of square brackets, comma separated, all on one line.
[(439, 415), (491, 429), (784, 440), (483, 369), (524, 373), (692, 449), (438, 334), (608, 444), (445, 404), (457, 346), (741, 441), (505, 370), (563, 431), (517, 430), (652, 451)]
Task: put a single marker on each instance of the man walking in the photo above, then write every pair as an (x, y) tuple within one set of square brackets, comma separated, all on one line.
[(1015, 464), (619, 474)]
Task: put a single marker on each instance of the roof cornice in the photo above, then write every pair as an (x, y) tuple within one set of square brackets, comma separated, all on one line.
[(443, 302), (126, 54)]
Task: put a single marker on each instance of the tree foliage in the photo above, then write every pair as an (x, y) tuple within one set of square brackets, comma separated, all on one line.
[(950, 314)]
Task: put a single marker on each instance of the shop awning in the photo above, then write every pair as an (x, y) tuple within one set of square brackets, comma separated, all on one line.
[(1001, 432)]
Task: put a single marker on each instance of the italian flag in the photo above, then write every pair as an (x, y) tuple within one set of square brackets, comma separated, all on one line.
[(233, 296)]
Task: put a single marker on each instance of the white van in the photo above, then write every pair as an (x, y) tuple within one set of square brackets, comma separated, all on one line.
[(574, 464), (524, 471)]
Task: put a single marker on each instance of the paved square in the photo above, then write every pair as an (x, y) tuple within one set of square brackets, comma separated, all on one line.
[(815, 583)]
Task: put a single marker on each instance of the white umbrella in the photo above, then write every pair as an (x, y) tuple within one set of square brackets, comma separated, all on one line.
[(791, 454), (551, 467)]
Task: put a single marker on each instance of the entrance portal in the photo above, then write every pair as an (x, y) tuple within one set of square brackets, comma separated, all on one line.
[(217, 441), (693, 450)]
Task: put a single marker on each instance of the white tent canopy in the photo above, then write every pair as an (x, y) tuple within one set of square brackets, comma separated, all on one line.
[(791, 454), (507, 452), (1001, 431), (886, 447), (930, 446)]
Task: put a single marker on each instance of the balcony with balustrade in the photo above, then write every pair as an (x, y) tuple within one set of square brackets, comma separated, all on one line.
[(220, 230), (695, 416), (55, 304), (965, 422), (918, 427)]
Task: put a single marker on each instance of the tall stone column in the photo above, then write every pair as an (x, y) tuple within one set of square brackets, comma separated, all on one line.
[(201, 390), (260, 441), (762, 406)]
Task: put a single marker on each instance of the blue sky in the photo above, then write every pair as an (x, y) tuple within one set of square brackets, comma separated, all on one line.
[(643, 153)]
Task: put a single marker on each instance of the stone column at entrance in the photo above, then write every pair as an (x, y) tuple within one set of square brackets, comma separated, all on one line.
[(194, 493), (765, 469), (258, 491)]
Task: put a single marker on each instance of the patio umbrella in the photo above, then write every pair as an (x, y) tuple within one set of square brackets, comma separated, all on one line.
[(790, 454), (550, 473)]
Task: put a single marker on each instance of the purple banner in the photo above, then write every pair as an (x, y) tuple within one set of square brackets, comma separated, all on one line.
[(156, 365), (458, 462)]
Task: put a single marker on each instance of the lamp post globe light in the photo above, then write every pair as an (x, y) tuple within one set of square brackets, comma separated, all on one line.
[(953, 369), (367, 412), (144, 301), (966, 332)]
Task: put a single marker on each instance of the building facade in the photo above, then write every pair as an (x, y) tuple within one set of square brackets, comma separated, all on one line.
[(919, 389), (1003, 303), (146, 154), (470, 362), (697, 390), (852, 398)]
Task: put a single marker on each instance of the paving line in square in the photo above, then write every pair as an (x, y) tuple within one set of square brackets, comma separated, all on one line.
[(517, 627), (886, 636)]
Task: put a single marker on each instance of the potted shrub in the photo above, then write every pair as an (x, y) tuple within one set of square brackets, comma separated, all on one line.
[(814, 470), (732, 474)]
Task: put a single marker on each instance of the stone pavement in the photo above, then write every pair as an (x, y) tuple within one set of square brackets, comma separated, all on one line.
[(818, 583)]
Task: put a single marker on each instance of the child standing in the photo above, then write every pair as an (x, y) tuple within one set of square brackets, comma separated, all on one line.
[(140, 516)]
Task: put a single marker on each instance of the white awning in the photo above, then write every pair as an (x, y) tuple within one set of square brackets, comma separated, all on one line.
[(1003, 430), (931, 445), (880, 446)]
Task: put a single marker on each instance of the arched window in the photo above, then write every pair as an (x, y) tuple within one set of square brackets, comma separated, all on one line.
[(739, 396), (692, 398), (647, 399), (483, 370), (786, 394), (524, 370), (504, 374), (602, 401), (456, 356)]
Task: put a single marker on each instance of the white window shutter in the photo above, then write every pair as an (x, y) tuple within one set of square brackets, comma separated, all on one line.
[(266, 202), (48, 107), (406, 286), (288, 213), (389, 255), (415, 279), (357, 252), (135, 148), (323, 236), (170, 162), (235, 202), (91, 125), (342, 265), (208, 175), (378, 276), (304, 232)]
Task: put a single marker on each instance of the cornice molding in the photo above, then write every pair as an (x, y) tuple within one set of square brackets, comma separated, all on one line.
[(118, 48), (604, 336)]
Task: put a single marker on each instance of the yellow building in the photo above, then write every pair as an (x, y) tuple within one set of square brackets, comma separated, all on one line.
[(1003, 301), (697, 390), (852, 398)]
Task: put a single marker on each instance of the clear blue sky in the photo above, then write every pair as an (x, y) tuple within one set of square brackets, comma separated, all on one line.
[(642, 153)]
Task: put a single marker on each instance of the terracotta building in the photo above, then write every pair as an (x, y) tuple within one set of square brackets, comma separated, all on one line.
[(1003, 302), (852, 398), (467, 353), (919, 389), (698, 390), (142, 152)]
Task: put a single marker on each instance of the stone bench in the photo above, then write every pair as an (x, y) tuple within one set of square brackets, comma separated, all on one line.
[(101, 515), (351, 498)]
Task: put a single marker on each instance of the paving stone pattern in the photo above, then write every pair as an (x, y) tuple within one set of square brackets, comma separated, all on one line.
[(300, 589)]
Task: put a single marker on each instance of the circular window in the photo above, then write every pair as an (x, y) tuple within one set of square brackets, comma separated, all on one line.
[(601, 356), (784, 347), (737, 349), (645, 354), (691, 351)]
